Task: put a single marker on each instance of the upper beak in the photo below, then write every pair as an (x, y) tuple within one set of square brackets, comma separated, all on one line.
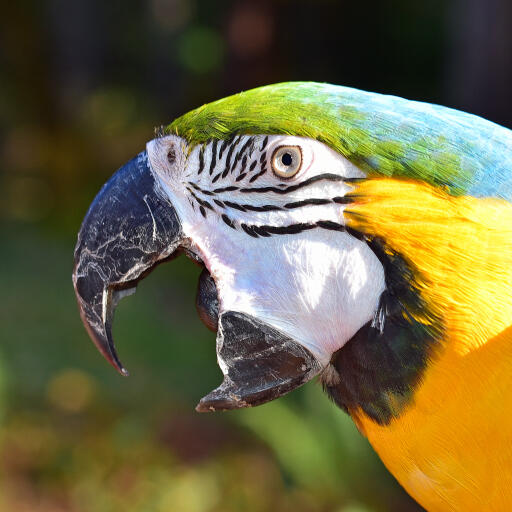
[(130, 226)]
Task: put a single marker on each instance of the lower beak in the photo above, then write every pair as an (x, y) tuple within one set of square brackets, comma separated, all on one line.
[(259, 362), (130, 227)]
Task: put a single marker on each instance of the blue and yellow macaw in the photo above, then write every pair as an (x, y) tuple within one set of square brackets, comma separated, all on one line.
[(363, 238)]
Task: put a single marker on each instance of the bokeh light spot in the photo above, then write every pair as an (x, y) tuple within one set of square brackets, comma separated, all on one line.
[(110, 110), (200, 49), (26, 198), (70, 390), (251, 29), (171, 14)]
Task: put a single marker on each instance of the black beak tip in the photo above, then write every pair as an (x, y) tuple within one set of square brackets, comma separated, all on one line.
[(104, 346), (205, 407), (109, 353), (116, 363), (221, 401)]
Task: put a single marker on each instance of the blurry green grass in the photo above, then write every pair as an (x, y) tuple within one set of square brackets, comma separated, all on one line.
[(76, 436)]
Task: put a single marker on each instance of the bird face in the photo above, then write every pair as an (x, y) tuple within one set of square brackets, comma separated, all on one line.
[(286, 283)]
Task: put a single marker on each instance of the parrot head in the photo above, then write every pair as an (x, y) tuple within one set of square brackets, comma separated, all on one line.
[(262, 189)]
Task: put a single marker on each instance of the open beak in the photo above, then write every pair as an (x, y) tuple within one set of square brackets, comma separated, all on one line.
[(130, 227)]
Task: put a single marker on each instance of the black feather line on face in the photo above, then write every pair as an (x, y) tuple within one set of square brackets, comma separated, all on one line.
[(248, 230), (332, 226), (235, 162), (248, 144), (230, 188), (244, 163), (343, 200), (261, 173), (228, 160), (213, 161), (293, 188), (201, 202), (294, 229), (225, 144), (201, 160), (262, 208), (228, 221), (307, 202), (236, 206)]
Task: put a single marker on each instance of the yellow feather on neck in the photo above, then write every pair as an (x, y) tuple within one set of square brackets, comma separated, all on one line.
[(461, 248), (451, 448)]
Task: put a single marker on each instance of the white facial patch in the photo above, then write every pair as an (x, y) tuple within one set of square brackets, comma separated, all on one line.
[(276, 247)]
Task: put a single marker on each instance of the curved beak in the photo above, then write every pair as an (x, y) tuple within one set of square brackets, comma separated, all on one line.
[(130, 227)]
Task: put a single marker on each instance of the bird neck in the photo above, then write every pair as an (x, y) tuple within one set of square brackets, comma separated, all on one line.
[(459, 249), (448, 263)]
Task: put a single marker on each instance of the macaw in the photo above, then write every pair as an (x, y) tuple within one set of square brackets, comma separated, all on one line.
[(362, 238)]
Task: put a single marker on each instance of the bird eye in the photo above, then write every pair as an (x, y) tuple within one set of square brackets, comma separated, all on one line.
[(286, 161)]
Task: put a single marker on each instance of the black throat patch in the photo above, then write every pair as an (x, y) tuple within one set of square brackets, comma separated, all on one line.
[(378, 370)]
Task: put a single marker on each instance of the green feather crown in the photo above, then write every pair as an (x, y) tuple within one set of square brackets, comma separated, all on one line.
[(383, 135)]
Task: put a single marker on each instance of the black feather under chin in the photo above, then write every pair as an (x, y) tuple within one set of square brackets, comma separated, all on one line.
[(380, 367)]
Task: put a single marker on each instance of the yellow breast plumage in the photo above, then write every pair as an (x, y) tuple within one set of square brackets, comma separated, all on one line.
[(451, 447)]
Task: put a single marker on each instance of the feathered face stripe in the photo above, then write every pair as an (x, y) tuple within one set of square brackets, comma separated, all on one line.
[(244, 159)]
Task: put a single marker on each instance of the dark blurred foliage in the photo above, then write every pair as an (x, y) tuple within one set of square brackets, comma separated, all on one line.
[(83, 84)]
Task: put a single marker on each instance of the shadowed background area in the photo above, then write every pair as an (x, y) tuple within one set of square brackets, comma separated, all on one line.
[(84, 83)]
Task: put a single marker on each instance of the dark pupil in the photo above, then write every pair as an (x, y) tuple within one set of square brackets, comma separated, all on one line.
[(287, 159)]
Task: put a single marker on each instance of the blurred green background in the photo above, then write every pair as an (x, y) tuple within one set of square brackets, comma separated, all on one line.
[(83, 84)]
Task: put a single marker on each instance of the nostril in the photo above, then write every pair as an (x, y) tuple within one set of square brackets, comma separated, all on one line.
[(171, 155), (207, 302)]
